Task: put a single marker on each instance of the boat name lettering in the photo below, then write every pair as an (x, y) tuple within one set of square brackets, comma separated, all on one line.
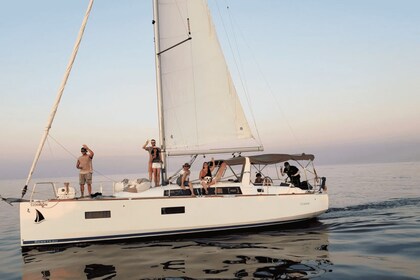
[(39, 203)]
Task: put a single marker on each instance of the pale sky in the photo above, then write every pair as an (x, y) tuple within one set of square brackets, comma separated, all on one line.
[(339, 79)]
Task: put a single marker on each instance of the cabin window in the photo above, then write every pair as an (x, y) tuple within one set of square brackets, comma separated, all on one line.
[(97, 214), (179, 192), (187, 193), (172, 210), (229, 190)]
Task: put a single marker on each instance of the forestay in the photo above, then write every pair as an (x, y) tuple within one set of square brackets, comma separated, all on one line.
[(201, 110)]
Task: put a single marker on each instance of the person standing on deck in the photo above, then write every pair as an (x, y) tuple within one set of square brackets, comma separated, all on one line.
[(149, 164), (185, 178), (84, 163), (292, 172), (155, 161)]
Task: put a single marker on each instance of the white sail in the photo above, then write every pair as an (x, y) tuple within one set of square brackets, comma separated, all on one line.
[(200, 107)]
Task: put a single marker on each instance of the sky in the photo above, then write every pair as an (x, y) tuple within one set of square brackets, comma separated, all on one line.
[(338, 79)]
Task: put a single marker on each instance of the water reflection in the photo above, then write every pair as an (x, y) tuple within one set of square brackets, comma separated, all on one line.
[(277, 253)]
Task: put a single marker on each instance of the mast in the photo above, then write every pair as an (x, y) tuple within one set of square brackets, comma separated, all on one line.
[(59, 95), (159, 90)]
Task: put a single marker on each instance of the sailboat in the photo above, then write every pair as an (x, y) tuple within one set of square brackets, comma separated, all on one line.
[(191, 76)]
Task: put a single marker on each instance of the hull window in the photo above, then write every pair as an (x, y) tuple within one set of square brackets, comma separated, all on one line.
[(172, 210), (97, 214)]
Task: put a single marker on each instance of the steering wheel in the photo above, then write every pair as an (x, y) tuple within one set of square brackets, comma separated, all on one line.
[(267, 181)]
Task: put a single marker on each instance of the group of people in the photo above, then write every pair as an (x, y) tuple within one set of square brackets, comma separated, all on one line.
[(206, 176), (84, 164), (155, 165)]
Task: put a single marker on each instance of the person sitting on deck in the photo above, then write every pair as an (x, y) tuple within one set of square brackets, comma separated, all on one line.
[(185, 178), (206, 176), (292, 172)]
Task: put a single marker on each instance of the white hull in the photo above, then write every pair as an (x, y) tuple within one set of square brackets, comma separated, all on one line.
[(65, 221)]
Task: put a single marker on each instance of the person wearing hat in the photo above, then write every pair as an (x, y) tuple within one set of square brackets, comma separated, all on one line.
[(84, 163), (292, 172), (185, 178)]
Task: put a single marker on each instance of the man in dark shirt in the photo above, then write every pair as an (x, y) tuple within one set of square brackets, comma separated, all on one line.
[(292, 172), (155, 161)]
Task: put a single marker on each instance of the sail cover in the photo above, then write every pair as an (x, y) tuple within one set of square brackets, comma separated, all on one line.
[(200, 107)]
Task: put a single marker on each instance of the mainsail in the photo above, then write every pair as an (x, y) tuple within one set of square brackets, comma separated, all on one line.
[(200, 108)]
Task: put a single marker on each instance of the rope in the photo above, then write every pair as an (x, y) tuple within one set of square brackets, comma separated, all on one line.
[(238, 68), (277, 103), (59, 95), (194, 157), (75, 157), (64, 148)]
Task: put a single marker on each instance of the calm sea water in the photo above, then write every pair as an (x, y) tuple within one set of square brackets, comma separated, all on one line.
[(372, 231)]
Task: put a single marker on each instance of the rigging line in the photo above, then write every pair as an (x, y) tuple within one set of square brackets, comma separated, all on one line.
[(192, 160), (269, 88), (75, 157), (62, 146), (180, 15), (50, 148), (243, 83), (59, 95), (275, 99), (103, 175), (245, 80)]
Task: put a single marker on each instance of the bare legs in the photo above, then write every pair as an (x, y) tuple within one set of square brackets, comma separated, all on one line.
[(82, 189), (156, 176), (220, 173), (191, 188), (150, 169), (205, 185)]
